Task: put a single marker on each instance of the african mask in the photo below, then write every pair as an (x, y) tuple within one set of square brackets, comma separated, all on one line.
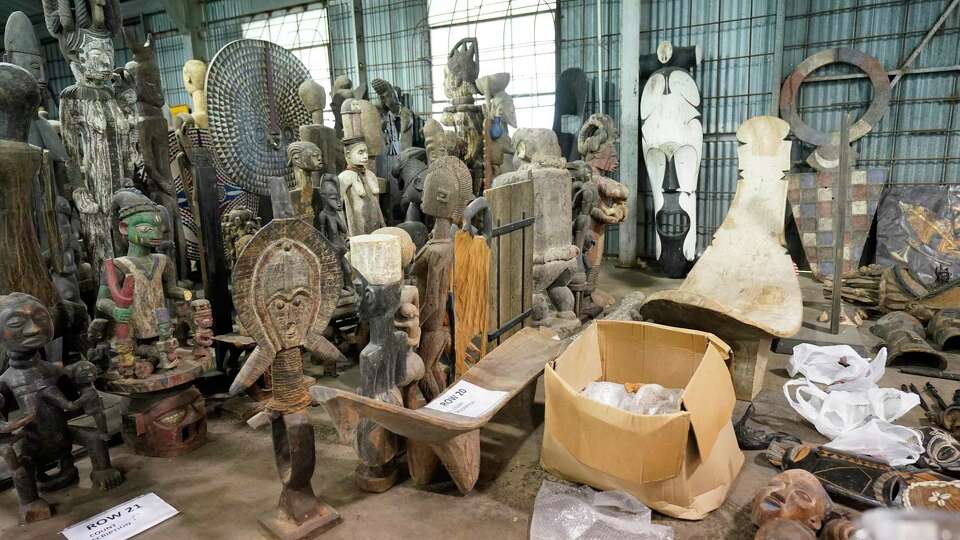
[(794, 494), (169, 427), (672, 144), (95, 56), (286, 300)]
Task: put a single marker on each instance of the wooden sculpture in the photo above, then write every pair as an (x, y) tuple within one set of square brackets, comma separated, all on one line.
[(194, 79), (134, 287), (453, 438), (286, 284), (203, 333), (359, 187), (306, 159), (537, 155), (460, 87), (314, 98), (25, 328), (432, 271), (744, 288), (498, 113), (329, 222), (672, 145), (97, 132)]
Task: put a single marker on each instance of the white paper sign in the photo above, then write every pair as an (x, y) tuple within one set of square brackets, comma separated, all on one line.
[(467, 399), (123, 521)]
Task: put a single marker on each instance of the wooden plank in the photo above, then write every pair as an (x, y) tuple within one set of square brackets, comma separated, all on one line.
[(511, 272)]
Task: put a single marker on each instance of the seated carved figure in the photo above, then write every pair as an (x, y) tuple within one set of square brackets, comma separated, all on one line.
[(537, 158)]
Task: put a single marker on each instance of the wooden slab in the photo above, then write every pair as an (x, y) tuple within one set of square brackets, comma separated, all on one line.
[(509, 368), (185, 372), (511, 256)]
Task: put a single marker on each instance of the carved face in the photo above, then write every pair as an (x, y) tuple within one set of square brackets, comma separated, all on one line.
[(440, 192), (330, 195), (287, 302), (170, 427), (389, 99), (309, 159), (84, 372), (25, 324), (357, 155), (143, 229), (194, 75), (202, 314), (794, 494), (96, 58)]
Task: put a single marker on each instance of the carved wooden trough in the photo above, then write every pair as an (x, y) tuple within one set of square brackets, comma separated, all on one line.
[(454, 438)]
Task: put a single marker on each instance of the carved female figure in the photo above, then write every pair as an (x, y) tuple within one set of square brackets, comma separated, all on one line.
[(306, 159), (359, 189)]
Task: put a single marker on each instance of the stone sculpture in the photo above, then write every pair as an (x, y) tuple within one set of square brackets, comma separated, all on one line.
[(596, 143), (377, 261), (744, 288), (306, 160), (25, 327), (153, 142), (672, 144), (99, 136), (286, 285), (134, 287), (432, 271), (359, 186), (329, 222), (537, 156), (314, 98), (194, 79), (498, 113)]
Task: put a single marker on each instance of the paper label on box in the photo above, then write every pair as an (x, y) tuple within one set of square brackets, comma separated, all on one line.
[(123, 521), (467, 399)]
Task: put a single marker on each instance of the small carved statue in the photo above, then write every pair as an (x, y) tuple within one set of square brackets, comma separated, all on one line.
[(194, 79), (460, 85), (25, 328), (537, 156), (84, 375), (498, 113), (133, 287), (238, 226), (306, 159), (432, 270), (389, 108), (203, 333), (329, 222), (359, 189), (342, 91), (672, 145), (99, 136), (32, 507), (314, 98)]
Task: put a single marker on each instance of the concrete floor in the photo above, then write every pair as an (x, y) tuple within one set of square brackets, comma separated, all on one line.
[(220, 488)]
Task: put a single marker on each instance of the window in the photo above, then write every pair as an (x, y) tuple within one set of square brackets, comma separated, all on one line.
[(304, 33), (514, 36)]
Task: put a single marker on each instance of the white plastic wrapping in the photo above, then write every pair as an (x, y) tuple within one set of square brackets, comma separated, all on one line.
[(648, 399), (896, 445), (837, 412), (837, 365), (570, 512)]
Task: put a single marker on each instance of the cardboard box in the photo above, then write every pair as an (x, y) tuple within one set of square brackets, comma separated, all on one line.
[(678, 464)]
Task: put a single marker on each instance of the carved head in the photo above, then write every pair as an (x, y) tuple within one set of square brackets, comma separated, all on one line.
[(304, 155), (84, 372), (357, 155), (537, 146), (22, 48), (314, 98), (794, 494), (95, 59), (194, 75), (330, 193), (440, 193), (284, 294), (387, 94), (664, 51), (597, 142), (25, 324), (463, 62), (141, 221), (435, 140), (202, 313)]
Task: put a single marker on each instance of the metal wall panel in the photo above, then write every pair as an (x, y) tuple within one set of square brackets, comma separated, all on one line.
[(398, 49)]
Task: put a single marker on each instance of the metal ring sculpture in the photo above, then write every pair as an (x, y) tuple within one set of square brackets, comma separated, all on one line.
[(790, 93), (255, 111)]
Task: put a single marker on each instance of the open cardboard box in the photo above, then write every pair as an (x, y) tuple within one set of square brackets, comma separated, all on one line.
[(679, 464)]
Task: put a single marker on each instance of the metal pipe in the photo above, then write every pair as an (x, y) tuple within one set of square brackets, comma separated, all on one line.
[(599, 57)]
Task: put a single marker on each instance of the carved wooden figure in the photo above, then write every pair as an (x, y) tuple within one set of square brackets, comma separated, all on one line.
[(203, 333), (329, 222), (98, 134), (306, 159), (537, 156), (286, 285), (194, 79), (460, 87), (25, 328), (133, 287), (498, 113), (359, 189), (314, 98), (672, 145)]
